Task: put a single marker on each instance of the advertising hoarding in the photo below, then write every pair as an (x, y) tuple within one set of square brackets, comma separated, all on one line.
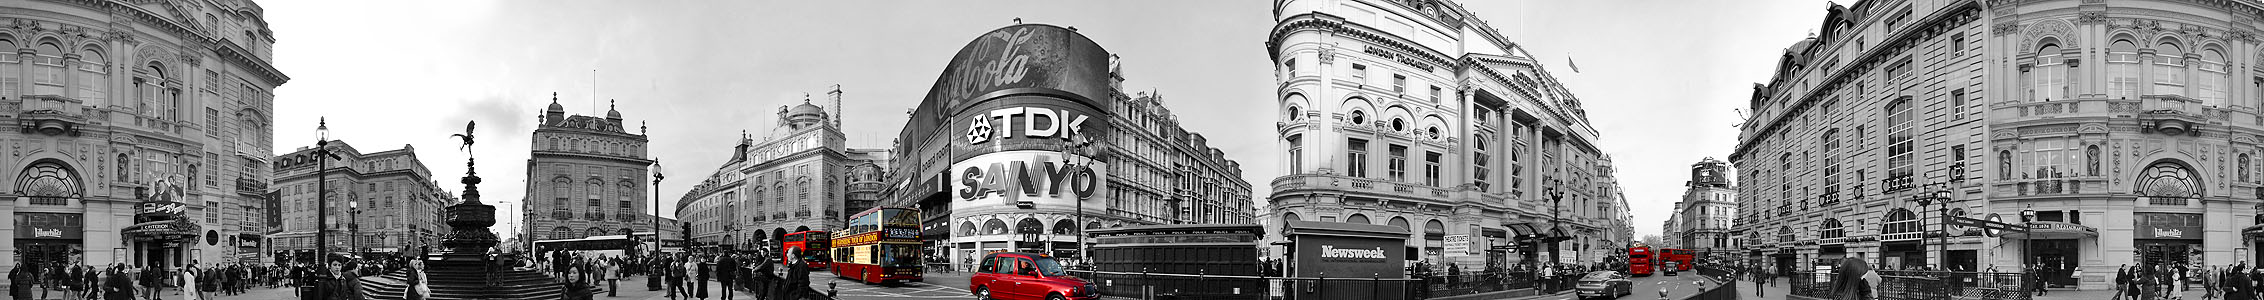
[(1027, 179)]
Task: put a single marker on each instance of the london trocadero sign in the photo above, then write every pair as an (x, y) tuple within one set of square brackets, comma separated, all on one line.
[(1011, 100)]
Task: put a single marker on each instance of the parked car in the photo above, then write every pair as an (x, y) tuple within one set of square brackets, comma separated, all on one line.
[(1027, 276), (1606, 285)]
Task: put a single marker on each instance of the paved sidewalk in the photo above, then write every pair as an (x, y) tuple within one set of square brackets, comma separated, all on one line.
[(1784, 287)]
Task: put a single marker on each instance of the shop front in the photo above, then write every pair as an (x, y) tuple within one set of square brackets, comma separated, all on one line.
[(2167, 238), (160, 237), (2055, 248), (46, 239), (2254, 236)]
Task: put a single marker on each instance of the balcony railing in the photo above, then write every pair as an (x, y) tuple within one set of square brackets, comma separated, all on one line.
[(247, 186)]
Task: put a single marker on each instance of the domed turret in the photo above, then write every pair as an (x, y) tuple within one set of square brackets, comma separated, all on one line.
[(554, 107), (612, 112), (803, 116), (556, 113)]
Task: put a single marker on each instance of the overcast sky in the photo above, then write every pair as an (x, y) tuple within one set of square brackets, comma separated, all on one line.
[(1659, 78)]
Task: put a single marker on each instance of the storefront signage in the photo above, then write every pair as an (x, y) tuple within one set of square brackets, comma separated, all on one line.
[(1369, 255), (1027, 178), (1459, 243), (49, 226), (166, 208), (1395, 56), (2167, 226)]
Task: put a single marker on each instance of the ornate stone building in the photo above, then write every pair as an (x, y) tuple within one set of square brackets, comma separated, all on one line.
[(587, 176), (1416, 114), (1702, 218), (398, 201), (800, 177), (2116, 128), (135, 126)]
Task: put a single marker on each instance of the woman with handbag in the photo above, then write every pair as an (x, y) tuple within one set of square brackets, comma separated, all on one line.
[(418, 288)]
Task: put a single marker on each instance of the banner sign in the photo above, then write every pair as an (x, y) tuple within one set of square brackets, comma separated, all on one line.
[(50, 226), (2167, 226), (1028, 179), (1458, 244)]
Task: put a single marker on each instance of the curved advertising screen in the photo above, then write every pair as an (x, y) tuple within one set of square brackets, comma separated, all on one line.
[(1022, 108)]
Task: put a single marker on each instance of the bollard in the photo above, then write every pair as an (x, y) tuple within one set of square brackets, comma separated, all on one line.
[(1375, 283)]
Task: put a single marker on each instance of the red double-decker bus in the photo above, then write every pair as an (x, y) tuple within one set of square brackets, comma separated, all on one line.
[(812, 244), (1639, 261), (879, 245), (1680, 257)]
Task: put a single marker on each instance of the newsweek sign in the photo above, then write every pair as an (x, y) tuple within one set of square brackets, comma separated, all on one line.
[(1027, 179)]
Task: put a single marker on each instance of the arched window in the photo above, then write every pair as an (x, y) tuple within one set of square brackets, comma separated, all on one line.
[(594, 231), (93, 75), (2122, 70), (994, 227), (1900, 221), (1294, 114), (2051, 78), (1833, 229), (1290, 216), (1357, 219), (2169, 68), (804, 188), (1359, 117), (1065, 226), (1402, 223), (2212, 78), (968, 229)]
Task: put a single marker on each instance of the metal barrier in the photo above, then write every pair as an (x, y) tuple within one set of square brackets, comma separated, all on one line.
[(1929, 285), (1201, 286)]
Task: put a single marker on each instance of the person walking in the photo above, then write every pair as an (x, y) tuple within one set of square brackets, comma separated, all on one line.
[(699, 268), (189, 290), (763, 273), (725, 269), (117, 285), (676, 280), (605, 274), (1757, 290)]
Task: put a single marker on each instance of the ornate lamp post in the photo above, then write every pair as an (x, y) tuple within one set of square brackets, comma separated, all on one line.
[(1071, 147), (1940, 195), (354, 226), (322, 190), (652, 283)]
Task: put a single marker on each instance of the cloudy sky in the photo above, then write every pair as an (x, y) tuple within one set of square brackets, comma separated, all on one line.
[(1658, 77)]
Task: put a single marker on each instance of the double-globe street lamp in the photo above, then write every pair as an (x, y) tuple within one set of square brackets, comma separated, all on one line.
[(1937, 194)]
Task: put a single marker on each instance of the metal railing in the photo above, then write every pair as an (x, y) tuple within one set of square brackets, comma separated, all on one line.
[(1906, 284), (1202, 286)]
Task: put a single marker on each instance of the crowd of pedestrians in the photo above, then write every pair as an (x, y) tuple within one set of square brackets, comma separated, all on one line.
[(681, 275), (129, 282), (2152, 281)]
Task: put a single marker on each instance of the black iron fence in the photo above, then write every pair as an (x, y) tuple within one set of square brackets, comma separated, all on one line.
[(1904, 284), (1202, 286)]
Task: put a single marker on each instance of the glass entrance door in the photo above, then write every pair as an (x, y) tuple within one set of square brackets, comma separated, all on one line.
[(46, 252), (2056, 259)]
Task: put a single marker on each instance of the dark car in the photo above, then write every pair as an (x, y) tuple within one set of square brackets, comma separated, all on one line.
[(1670, 268), (1606, 285), (1027, 276)]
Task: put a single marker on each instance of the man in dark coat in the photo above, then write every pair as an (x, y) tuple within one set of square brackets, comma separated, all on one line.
[(117, 286), (725, 268), (764, 272), (797, 279)]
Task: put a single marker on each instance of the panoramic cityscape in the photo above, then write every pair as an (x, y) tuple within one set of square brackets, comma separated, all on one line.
[(1013, 149)]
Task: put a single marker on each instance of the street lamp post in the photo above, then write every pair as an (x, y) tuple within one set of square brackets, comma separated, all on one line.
[(653, 282), (1556, 203), (322, 190), (354, 226), (1079, 147), (1940, 196)]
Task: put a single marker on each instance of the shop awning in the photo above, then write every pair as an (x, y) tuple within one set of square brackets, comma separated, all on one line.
[(2253, 232), (174, 229), (2054, 230)]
